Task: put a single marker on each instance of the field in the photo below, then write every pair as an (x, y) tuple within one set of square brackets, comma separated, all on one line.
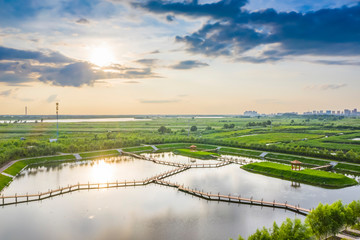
[(325, 137), (315, 177)]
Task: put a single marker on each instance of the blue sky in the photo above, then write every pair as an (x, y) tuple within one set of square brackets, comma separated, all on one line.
[(178, 57)]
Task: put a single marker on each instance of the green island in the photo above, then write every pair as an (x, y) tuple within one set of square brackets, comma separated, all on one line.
[(310, 176), (196, 154)]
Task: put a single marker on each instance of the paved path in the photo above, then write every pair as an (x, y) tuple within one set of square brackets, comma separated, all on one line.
[(263, 154), (77, 156), (154, 147), (8, 175)]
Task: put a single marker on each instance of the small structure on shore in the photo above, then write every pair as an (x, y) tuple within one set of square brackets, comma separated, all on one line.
[(193, 148), (296, 165)]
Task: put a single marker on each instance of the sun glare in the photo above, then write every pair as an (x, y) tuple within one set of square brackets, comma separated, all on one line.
[(101, 172), (101, 56)]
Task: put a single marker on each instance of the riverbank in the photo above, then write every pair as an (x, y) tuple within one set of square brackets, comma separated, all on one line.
[(314, 177)]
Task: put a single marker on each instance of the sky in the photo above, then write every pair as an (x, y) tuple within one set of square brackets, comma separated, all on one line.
[(178, 57)]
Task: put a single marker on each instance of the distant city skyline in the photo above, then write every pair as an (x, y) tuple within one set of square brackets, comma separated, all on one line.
[(178, 57)]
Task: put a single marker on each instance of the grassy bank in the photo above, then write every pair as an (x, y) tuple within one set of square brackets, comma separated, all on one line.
[(347, 167), (18, 166), (99, 154), (195, 154), (290, 158), (4, 180), (138, 149), (314, 177)]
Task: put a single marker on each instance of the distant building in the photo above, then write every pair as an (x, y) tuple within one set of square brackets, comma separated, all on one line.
[(338, 112), (354, 112), (347, 112), (333, 112), (251, 113), (328, 112)]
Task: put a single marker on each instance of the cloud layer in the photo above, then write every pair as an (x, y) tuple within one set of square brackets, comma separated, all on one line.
[(18, 66), (236, 32)]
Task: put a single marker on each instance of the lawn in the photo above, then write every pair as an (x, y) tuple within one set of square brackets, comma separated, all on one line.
[(349, 167), (196, 154), (99, 154), (314, 177), (4, 180), (18, 166), (290, 158)]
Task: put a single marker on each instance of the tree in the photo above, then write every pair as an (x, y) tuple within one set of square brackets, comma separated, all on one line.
[(352, 211), (208, 128), (193, 128), (290, 229), (327, 219), (162, 130)]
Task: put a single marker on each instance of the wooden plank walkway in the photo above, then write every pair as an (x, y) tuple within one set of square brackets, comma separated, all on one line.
[(16, 199), (234, 199), (322, 167)]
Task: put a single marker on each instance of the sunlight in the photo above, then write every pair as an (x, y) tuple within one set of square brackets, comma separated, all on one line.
[(101, 172), (101, 56)]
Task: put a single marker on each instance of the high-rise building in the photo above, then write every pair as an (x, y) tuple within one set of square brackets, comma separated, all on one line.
[(347, 112)]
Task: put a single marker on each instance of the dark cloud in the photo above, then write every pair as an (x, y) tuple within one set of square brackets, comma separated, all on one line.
[(19, 66), (232, 30), (189, 64), (170, 18), (338, 62), (43, 57), (147, 61), (155, 52), (83, 21), (221, 9)]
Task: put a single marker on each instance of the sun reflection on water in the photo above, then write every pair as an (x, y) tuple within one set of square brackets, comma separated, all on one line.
[(101, 172)]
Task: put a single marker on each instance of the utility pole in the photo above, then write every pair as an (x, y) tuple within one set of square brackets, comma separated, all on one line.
[(57, 120)]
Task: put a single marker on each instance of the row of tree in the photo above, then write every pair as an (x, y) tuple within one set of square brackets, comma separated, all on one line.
[(322, 222)]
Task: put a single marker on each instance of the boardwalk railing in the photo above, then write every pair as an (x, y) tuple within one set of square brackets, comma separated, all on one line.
[(235, 199)]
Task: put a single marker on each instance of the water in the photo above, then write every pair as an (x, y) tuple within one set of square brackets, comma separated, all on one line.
[(152, 211), (74, 120)]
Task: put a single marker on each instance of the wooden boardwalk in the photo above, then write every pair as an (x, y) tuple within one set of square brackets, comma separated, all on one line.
[(158, 179), (322, 167), (234, 199)]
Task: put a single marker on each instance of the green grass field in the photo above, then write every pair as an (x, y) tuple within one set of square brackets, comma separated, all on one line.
[(99, 154), (4, 180), (196, 154), (18, 166), (348, 167), (299, 135), (314, 177), (290, 158)]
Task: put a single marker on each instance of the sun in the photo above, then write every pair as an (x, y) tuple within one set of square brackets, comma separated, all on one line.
[(101, 56)]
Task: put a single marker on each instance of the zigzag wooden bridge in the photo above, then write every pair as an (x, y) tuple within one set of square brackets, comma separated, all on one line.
[(17, 199)]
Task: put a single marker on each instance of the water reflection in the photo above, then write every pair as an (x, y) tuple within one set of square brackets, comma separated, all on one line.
[(152, 211)]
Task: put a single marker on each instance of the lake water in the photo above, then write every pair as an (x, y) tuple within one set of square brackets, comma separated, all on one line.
[(74, 120), (152, 211)]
